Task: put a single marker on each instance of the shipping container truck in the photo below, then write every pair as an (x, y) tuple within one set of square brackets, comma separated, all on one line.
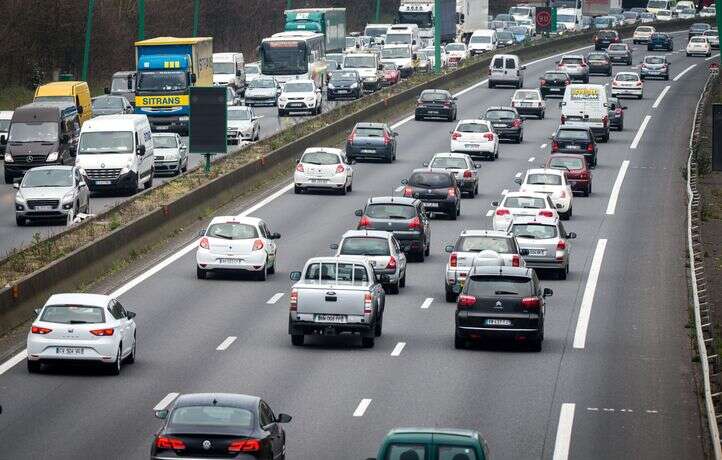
[(421, 13), (167, 67), (331, 22), (473, 15), (599, 7)]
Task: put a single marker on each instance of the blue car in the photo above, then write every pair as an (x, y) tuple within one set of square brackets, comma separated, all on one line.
[(660, 41), (521, 34)]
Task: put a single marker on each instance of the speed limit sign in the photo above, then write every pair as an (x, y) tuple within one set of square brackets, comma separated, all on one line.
[(543, 19)]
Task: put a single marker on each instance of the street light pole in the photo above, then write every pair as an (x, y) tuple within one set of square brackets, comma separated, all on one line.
[(196, 16), (141, 19), (288, 4), (377, 16), (88, 32), (437, 36)]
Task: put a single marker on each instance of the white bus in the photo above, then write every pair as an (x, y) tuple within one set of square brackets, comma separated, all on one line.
[(294, 55)]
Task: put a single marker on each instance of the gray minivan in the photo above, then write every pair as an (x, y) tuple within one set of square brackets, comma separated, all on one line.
[(506, 69)]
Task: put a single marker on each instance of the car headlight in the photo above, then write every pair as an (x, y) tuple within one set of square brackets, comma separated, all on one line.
[(355, 85), (69, 197), (310, 98), (124, 171), (183, 118), (282, 99), (8, 158), (19, 198), (331, 86), (52, 157)]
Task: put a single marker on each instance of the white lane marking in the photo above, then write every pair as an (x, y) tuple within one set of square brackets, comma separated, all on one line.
[(401, 122), (640, 132), (7, 365), (226, 343), (427, 303), (712, 57), (564, 432), (585, 312), (163, 403), (276, 297), (489, 212), (505, 191), (531, 160), (266, 200), (660, 97), (399, 188), (612, 206), (362, 406), (398, 348), (684, 72), (474, 86), (517, 175), (543, 146)]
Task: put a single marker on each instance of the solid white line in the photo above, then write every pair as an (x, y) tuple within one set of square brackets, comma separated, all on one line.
[(660, 97), (543, 146), (165, 401), (276, 297), (614, 196), (517, 175), (7, 365), (472, 87), (640, 132), (712, 57), (397, 349), (226, 343), (489, 212), (361, 409), (266, 200), (505, 191), (427, 303), (403, 121), (564, 432), (585, 312), (684, 72), (531, 160)]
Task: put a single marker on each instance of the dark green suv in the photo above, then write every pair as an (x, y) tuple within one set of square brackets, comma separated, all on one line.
[(432, 444)]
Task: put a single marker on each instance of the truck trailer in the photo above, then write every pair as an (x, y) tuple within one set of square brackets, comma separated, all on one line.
[(473, 15), (421, 13), (331, 22), (599, 7)]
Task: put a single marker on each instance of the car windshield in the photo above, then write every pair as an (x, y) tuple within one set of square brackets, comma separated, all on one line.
[(434, 97), (534, 231), (350, 42), (496, 285), (430, 180), (251, 69), (527, 202), (33, 132), (626, 77), (320, 158), (359, 62), (654, 60), (224, 67), (398, 39), (106, 142), (504, 35), (472, 128), (480, 39), (239, 114), (519, 11), (262, 83), (566, 163), (574, 134), (644, 29), (421, 55), (107, 103), (500, 115), (232, 231), (165, 142), (455, 47), (527, 95), (661, 4), (162, 81), (498, 244), (211, 416), (375, 31), (664, 13), (518, 30), (295, 87), (390, 66), (120, 84), (331, 64), (630, 15), (48, 178), (449, 163), (390, 211), (396, 53), (367, 131), (543, 179), (365, 246), (72, 314), (341, 75)]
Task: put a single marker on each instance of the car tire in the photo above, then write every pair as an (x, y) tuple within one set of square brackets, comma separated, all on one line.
[(402, 281), (519, 139), (420, 256), (342, 190), (379, 326), (666, 77), (450, 295), (417, 118), (272, 268), (114, 367), (263, 274), (459, 342), (130, 359), (297, 339), (281, 113), (586, 191), (476, 189), (297, 190), (201, 273), (20, 221), (453, 215), (542, 115), (350, 187), (368, 342), (536, 344), (33, 366), (562, 273), (149, 183)]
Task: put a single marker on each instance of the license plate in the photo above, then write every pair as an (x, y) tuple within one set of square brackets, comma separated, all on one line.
[(555, 89), (431, 205), (537, 252), (499, 125), (342, 91), (69, 350), (162, 128), (231, 261), (43, 208), (526, 104), (471, 146), (102, 182), (573, 147), (330, 318), (319, 181), (161, 158), (432, 112), (368, 151), (498, 322)]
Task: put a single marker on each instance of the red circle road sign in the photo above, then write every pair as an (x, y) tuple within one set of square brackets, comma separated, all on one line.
[(543, 19)]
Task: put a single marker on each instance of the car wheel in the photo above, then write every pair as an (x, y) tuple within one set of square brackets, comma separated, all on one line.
[(476, 189), (33, 366), (459, 342), (417, 118), (149, 183), (402, 281), (297, 339), (450, 294), (263, 274), (519, 139), (453, 214), (666, 77), (281, 113), (585, 192), (420, 255), (427, 250), (201, 273), (343, 189), (491, 84), (297, 190), (378, 327), (114, 367), (536, 344), (20, 221), (272, 268), (541, 116), (368, 342), (130, 359), (350, 187), (562, 273)]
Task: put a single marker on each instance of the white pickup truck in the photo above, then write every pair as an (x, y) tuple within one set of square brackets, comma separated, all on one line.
[(334, 295)]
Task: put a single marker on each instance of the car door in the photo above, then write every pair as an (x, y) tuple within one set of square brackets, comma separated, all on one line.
[(399, 254), (268, 423)]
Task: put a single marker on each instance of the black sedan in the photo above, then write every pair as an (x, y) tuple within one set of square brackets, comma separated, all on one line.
[(371, 141), (437, 189), (660, 41), (219, 425), (616, 114), (507, 123), (575, 139), (436, 103), (553, 83), (599, 63), (344, 84)]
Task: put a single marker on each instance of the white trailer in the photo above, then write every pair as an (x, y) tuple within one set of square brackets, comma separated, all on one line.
[(473, 15)]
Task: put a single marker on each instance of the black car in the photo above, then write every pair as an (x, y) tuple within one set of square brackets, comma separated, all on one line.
[(504, 38), (575, 139), (698, 28), (604, 38), (436, 103), (404, 217), (507, 123), (660, 41), (501, 302), (616, 113), (344, 84), (371, 141), (553, 83), (219, 425), (654, 67), (111, 105), (620, 53), (599, 63), (438, 190)]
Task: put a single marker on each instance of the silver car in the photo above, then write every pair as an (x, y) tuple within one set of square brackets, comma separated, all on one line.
[(575, 66), (169, 153), (465, 170), (262, 91), (51, 192), (243, 125), (381, 249), (545, 243)]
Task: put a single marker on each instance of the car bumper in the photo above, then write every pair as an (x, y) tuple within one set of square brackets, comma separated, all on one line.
[(103, 349), (55, 213), (333, 182), (529, 328), (654, 73), (410, 241), (166, 166), (508, 133), (371, 84), (369, 152), (641, 39), (578, 185), (549, 90), (537, 111), (658, 46), (298, 326), (614, 59), (439, 207), (627, 91), (297, 105), (253, 262), (341, 93), (541, 263), (474, 149), (122, 182)]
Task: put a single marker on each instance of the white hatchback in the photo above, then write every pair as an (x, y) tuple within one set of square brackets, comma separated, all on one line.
[(323, 168), (475, 137), (699, 45), (627, 84), (237, 244), (553, 183), (82, 327), (529, 102), (521, 204)]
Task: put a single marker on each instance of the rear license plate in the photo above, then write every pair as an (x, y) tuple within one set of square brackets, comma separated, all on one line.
[(432, 112), (526, 104), (499, 125), (43, 208), (69, 350), (319, 181), (471, 146), (162, 128), (537, 252), (368, 151), (231, 261), (102, 182), (573, 147), (431, 205), (498, 322), (330, 318)]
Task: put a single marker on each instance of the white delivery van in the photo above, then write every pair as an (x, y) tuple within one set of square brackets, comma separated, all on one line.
[(586, 105), (228, 70), (115, 152), (482, 41), (506, 69), (404, 34), (523, 12)]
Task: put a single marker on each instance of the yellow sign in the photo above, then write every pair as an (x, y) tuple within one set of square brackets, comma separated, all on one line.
[(585, 93), (162, 101)]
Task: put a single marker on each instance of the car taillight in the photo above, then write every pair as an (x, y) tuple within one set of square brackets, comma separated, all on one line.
[(351, 137), (40, 330), (542, 81), (165, 442), (584, 66), (467, 174), (560, 66), (299, 167), (453, 259), (515, 260), (546, 213), (387, 138), (392, 263), (590, 148), (204, 243), (502, 212), (408, 191), (618, 111), (516, 123), (489, 136), (605, 120), (364, 222), (258, 245), (102, 332), (244, 445), (639, 83), (340, 169), (293, 304), (466, 301), (561, 245), (455, 135), (451, 193), (595, 39), (530, 303), (368, 303), (555, 146), (584, 175), (489, 72), (415, 224), (562, 119), (616, 39)]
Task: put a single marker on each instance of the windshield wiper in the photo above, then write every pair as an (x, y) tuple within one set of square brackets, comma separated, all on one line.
[(393, 216), (505, 293), (526, 236), (79, 321), (223, 236)]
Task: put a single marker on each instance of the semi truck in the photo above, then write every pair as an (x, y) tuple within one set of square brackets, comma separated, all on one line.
[(421, 13), (473, 15), (599, 7), (331, 22), (167, 67)]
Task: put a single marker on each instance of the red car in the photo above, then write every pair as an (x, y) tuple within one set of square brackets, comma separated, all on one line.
[(391, 74), (576, 170)]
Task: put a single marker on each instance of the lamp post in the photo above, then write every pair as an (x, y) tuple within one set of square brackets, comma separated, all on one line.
[(196, 16), (437, 35), (141, 19), (88, 32)]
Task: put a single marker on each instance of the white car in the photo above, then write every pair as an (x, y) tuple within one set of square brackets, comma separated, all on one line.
[(299, 96), (242, 125), (553, 183), (699, 45), (686, 13), (712, 37), (475, 137), (529, 102), (457, 53), (463, 167), (627, 84), (170, 154), (252, 72), (431, 53), (642, 34), (237, 244), (323, 168), (82, 327), (521, 204), (708, 12), (664, 15)]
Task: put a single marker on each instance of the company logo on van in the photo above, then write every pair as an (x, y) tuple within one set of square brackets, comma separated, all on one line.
[(161, 101)]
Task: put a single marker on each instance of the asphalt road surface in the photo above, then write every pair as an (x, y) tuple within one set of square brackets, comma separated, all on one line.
[(614, 379)]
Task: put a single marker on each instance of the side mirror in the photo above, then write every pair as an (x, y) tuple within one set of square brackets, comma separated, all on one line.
[(193, 78), (547, 292), (3, 140), (414, 56), (238, 73), (449, 248), (141, 150), (477, 165), (295, 276), (130, 82), (404, 181), (106, 90), (413, 42), (380, 67), (82, 183), (358, 213), (37, 311), (561, 103), (495, 203), (426, 164), (518, 180), (80, 110), (130, 314), (298, 160), (571, 235), (16, 185), (454, 98), (275, 236), (523, 67), (201, 232), (395, 134), (523, 252), (624, 107), (283, 418), (333, 246), (161, 414), (559, 206)]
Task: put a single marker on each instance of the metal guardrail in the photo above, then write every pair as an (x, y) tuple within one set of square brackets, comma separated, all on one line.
[(702, 320)]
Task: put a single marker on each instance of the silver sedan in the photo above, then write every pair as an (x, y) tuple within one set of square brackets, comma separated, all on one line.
[(545, 243)]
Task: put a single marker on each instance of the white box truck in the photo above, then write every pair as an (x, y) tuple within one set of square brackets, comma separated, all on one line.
[(473, 15)]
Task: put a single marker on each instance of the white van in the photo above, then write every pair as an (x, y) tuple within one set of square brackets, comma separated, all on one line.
[(404, 34), (228, 70), (506, 69), (377, 32), (482, 41), (655, 6), (586, 105), (571, 18), (523, 12), (115, 152)]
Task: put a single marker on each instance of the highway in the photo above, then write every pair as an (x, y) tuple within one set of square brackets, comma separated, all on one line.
[(614, 379)]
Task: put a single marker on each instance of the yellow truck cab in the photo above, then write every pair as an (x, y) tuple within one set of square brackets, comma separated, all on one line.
[(66, 93)]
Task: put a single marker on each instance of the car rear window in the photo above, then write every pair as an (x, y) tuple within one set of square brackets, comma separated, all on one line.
[(232, 231), (500, 115), (430, 179), (566, 163), (369, 132), (72, 314), (405, 451), (390, 211), (320, 158), (617, 47), (527, 95), (555, 75), (571, 60), (336, 272), (498, 244), (365, 246), (644, 29), (654, 60), (430, 97), (524, 202), (485, 286), (472, 128), (597, 57), (498, 63), (606, 34), (698, 39), (544, 179), (534, 231), (626, 77), (575, 134), (455, 453), (450, 163), (219, 416)]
